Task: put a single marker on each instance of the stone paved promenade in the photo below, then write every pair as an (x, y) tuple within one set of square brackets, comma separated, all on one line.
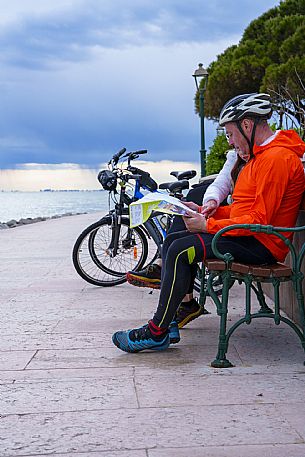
[(67, 391)]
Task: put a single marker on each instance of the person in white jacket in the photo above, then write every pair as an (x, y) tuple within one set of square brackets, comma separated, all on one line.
[(221, 187)]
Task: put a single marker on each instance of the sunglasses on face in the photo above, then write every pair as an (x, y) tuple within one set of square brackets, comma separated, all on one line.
[(229, 137)]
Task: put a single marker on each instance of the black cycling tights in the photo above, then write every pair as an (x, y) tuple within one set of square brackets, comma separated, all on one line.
[(180, 254)]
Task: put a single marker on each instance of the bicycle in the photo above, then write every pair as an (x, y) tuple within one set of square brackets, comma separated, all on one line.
[(107, 249)]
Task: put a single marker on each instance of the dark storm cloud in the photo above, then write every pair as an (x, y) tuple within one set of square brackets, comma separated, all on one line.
[(39, 41), (80, 79)]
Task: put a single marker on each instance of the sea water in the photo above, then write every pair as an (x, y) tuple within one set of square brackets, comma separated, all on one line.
[(18, 205)]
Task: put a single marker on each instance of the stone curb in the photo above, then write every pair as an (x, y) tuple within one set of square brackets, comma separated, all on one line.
[(29, 220)]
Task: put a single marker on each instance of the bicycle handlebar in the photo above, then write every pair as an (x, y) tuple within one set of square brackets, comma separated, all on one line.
[(142, 151), (117, 156), (134, 155), (130, 155)]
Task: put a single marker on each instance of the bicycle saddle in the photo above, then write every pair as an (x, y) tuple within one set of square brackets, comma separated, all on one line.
[(206, 183), (175, 186), (188, 174)]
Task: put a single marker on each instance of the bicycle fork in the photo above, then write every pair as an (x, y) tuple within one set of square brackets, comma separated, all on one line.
[(112, 249), (127, 243)]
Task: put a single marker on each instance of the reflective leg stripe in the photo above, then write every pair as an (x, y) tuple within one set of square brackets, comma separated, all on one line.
[(191, 254), (203, 245)]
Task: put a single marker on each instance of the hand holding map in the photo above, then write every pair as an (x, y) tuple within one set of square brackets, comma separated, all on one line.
[(140, 210)]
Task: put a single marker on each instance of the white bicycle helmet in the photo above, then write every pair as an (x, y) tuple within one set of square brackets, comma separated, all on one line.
[(251, 105)]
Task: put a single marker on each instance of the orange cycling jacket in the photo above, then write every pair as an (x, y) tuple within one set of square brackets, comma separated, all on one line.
[(268, 191)]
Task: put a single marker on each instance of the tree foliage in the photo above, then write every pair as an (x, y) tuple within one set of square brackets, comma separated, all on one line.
[(270, 57), (217, 155)]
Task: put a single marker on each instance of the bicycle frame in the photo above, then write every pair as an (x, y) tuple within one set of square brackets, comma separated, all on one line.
[(142, 180), (150, 227)]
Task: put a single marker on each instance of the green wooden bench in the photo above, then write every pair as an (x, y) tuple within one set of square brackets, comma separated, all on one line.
[(253, 277)]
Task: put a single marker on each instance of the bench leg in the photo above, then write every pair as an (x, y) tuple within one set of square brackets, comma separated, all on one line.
[(222, 309), (301, 306), (264, 308)]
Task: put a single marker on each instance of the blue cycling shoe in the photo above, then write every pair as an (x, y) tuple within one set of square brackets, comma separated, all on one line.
[(140, 339), (174, 334)]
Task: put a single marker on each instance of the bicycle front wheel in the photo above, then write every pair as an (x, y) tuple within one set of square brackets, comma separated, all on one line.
[(94, 260)]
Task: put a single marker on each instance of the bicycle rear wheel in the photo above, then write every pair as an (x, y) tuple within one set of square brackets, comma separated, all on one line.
[(94, 261), (217, 281)]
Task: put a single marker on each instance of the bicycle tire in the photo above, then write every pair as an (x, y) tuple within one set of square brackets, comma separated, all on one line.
[(96, 266), (127, 245)]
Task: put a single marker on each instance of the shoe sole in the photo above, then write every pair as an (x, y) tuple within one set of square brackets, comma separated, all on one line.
[(190, 318), (139, 282)]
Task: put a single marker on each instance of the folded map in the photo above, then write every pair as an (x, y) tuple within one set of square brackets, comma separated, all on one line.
[(140, 210)]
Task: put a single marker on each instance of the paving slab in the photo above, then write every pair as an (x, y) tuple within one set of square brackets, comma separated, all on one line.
[(65, 390), (108, 391), (133, 453), (294, 415), (111, 357), (143, 428), (15, 360), (213, 390), (276, 450)]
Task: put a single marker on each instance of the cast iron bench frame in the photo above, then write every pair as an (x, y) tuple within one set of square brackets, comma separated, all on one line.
[(253, 277)]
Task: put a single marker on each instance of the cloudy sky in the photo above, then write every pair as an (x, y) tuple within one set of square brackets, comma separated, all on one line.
[(79, 79)]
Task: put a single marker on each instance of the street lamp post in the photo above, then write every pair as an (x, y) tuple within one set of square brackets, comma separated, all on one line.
[(201, 79)]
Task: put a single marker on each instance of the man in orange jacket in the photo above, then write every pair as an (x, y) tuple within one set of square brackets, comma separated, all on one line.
[(268, 191)]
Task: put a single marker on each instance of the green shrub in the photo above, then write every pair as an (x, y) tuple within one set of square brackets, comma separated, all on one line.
[(217, 156)]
